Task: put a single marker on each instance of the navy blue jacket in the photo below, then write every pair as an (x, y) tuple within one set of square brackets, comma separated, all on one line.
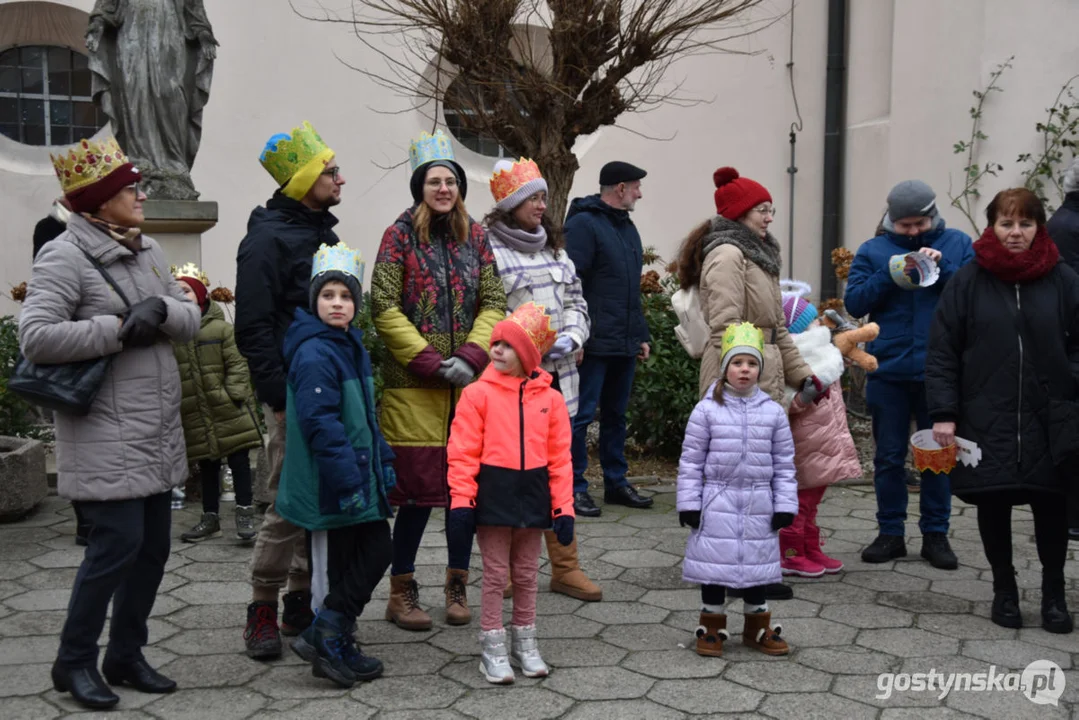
[(606, 249), (1063, 227), (904, 316)]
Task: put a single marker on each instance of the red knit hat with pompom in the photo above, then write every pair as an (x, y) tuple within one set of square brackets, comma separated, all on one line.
[(735, 195)]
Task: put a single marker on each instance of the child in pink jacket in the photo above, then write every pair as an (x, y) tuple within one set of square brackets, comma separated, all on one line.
[(824, 450)]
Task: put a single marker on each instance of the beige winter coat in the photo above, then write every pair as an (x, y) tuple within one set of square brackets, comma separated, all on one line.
[(740, 283), (131, 444)]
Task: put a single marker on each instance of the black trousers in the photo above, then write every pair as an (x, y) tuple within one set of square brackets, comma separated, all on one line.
[(717, 595), (128, 547), (210, 473), (347, 563), (1050, 529)]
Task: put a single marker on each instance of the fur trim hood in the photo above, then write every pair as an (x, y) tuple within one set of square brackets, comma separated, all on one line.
[(764, 253)]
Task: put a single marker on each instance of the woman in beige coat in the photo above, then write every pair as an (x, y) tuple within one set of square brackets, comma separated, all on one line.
[(119, 463), (736, 262)]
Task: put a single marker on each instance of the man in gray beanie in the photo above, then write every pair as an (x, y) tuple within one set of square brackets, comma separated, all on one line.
[(896, 392), (1063, 227)]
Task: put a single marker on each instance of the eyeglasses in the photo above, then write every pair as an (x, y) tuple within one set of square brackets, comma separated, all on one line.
[(334, 172), (436, 183), (133, 187), (766, 210)]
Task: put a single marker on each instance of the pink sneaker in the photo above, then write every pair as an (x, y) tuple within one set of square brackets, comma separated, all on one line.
[(793, 560), (814, 553)]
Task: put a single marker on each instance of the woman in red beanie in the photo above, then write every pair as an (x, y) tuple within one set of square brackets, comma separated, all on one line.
[(736, 262)]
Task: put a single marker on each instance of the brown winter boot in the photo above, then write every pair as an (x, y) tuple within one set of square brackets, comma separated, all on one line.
[(759, 635), (566, 574), (457, 610), (711, 634), (403, 609)]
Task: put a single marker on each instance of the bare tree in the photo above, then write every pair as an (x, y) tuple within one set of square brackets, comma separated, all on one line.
[(537, 74)]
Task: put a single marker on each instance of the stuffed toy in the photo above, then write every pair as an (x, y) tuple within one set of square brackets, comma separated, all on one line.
[(847, 337)]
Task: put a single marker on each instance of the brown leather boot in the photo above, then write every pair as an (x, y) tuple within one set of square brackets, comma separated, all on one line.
[(566, 574), (711, 634), (403, 609), (457, 610), (759, 635)]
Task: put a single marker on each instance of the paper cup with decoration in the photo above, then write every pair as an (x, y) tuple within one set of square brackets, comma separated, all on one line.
[(928, 455), (913, 270)]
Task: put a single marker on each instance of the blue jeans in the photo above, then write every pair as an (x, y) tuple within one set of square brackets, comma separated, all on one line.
[(606, 382), (892, 404)]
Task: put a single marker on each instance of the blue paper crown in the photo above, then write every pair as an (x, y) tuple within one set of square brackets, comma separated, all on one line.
[(427, 148), (338, 257)]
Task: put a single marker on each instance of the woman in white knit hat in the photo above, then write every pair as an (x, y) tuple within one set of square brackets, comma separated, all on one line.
[(534, 268)]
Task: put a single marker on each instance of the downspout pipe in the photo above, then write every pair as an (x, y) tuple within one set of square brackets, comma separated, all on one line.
[(834, 118)]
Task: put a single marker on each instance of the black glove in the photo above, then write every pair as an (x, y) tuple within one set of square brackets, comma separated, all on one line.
[(460, 526), (142, 322), (782, 520), (563, 530), (692, 518)]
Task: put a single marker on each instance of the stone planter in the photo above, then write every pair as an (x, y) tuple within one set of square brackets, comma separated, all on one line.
[(23, 482)]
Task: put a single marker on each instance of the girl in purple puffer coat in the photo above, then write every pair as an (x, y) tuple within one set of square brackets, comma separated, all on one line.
[(736, 490)]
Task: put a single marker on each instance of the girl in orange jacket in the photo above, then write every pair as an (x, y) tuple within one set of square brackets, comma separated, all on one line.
[(511, 478)]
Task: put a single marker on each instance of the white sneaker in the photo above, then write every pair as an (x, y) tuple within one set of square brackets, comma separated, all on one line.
[(525, 652), (228, 491), (495, 662)]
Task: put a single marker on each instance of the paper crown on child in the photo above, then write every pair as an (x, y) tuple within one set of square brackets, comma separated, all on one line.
[(741, 339), (428, 148), (190, 271), (341, 263), (513, 182), (528, 331), (295, 159)]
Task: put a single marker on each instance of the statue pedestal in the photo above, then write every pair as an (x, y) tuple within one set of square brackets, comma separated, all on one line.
[(178, 225)]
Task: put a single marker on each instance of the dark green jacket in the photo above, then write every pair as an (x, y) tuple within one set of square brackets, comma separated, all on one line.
[(217, 411)]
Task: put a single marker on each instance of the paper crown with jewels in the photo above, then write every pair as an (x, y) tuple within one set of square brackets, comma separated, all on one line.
[(295, 159), (512, 182), (339, 257), (190, 270), (86, 163), (742, 338), (528, 331), (428, 148)]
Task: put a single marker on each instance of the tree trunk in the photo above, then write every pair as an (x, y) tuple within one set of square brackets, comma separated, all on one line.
[(558, 169)]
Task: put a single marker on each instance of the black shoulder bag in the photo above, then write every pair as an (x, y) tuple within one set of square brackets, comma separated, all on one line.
[(1061, 415), (66, 387)]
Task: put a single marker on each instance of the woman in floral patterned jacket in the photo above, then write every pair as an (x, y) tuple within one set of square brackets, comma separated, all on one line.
[(436, 298)]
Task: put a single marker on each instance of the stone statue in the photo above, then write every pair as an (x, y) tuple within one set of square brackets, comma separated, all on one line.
[(152, 63)]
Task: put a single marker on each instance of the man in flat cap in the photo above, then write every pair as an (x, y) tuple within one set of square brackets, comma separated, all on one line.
[(605, 246)]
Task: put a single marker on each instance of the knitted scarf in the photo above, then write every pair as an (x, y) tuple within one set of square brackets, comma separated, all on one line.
[(519, 239), (763, 252), (131, 238), (1013, 268)]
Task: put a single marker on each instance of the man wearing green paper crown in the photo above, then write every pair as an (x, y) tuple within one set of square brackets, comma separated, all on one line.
[(337, 468), (273, 271), (436, 298)]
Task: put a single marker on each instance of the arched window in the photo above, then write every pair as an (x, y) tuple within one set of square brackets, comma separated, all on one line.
[(460, 101), (45, 96)]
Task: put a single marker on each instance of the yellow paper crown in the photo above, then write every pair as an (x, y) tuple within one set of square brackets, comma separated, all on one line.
[(86, 163), (743, 335), (536, 323), (190, 270), (294, 159), (506, 181), (338, 257), (427, 148)]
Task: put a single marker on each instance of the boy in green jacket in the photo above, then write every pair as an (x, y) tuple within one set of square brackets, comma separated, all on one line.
[(337, 469)]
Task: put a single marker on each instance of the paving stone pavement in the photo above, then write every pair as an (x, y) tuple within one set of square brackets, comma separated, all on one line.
[(628, 657)]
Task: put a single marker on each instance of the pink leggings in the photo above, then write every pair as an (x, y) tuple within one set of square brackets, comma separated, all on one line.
[(508, 550)]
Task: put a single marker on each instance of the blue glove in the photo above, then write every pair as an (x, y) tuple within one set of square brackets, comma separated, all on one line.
[(460, 525), (563, 530), (562, 347), (456, 371), (351, 504), (389, 476)]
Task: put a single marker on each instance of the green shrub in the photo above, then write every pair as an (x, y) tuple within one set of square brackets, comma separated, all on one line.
[(665, 386), (17, 417)]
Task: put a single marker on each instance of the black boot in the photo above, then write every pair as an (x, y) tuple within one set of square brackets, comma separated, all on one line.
[(885, 548), (1055, 615), (1006, 598), (137, 674), (85, 685), (938, 551), (296, 615)]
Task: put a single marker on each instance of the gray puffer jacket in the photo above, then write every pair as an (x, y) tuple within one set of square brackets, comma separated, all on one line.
[(131, 444)]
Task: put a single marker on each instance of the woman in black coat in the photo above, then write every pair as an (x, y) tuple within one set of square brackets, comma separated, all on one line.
[(1005, 337)]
